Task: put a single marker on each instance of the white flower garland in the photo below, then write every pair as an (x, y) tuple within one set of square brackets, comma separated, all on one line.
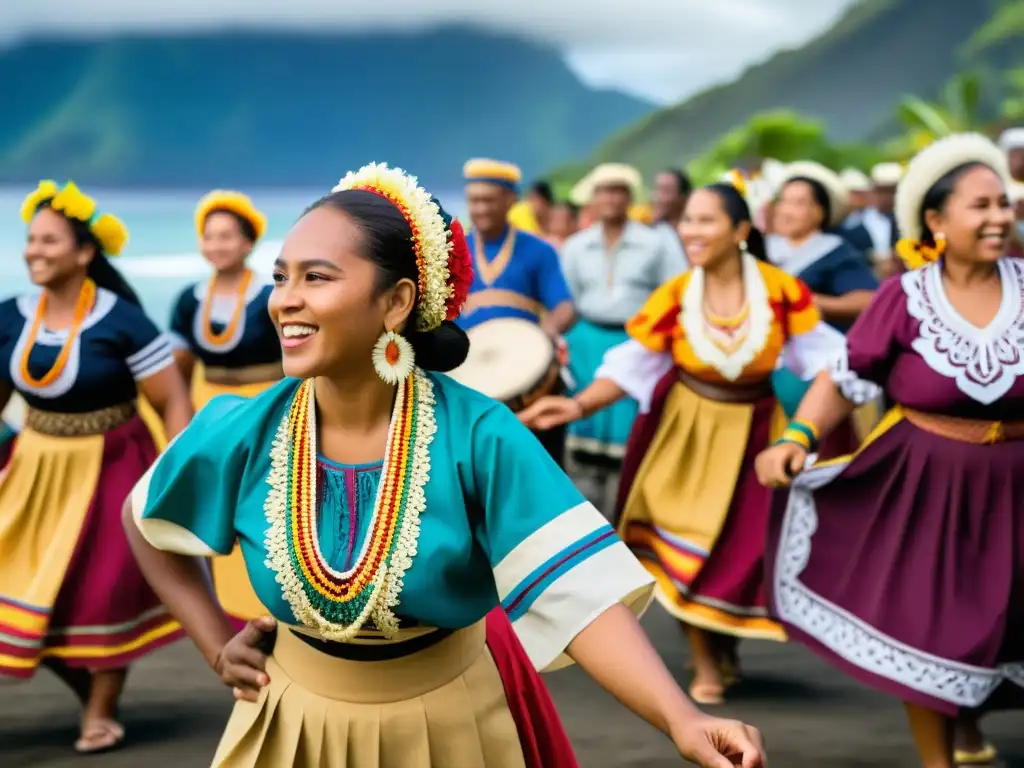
[(430, 234), (759, 323), (388, 582)]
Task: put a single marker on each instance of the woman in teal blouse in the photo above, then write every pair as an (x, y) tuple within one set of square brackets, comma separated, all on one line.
[(382, 574)]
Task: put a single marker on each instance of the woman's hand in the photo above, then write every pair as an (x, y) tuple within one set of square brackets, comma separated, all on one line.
[(242, 662), (711, 742), (778, 465), (551, 411)]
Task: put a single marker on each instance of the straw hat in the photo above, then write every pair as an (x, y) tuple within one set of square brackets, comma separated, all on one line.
[(935, 161), (838, 196)]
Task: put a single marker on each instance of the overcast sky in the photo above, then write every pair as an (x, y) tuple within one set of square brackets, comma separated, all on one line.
[(663, 49)]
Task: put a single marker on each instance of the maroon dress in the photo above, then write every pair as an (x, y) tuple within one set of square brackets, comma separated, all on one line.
[(904, 565)]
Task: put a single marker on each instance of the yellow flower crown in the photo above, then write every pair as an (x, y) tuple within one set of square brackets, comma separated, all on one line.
[(109, 231), (234, 202), (429, 235)]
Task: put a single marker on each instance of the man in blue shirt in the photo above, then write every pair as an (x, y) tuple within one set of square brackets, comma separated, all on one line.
[(516, 274)]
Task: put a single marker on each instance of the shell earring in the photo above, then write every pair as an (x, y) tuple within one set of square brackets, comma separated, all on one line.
[(393, 357)]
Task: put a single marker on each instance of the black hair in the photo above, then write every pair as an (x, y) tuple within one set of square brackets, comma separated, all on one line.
[(937, 196), (100, 270), (820, 195), (543, 190), (248, 230), (682, 180), (570, 206), (388, 244), (736, 208)]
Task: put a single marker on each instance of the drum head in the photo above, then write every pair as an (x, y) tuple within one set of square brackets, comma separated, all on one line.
[(507, 357)]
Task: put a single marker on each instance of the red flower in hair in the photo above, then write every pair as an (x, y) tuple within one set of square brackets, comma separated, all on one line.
[(460, 269)]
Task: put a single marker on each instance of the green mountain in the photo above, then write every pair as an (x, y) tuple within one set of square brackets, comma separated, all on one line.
[(270, 109), (851, 79)]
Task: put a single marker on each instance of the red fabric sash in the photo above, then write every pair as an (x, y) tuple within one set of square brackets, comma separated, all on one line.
[(544, 741)]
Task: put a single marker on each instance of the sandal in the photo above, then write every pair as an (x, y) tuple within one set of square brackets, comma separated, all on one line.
[(99, 734), (707, 694), (985, 756)]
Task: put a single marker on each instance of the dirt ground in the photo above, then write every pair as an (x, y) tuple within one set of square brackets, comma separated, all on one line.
[(811, 715)]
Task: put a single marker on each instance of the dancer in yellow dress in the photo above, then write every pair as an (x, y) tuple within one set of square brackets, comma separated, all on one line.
[(699, 360), (223, 324), (78, 352)]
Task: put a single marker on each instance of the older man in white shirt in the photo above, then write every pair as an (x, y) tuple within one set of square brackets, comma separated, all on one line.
[(611, 268)]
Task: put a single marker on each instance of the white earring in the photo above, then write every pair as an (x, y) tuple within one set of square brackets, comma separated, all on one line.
[(393, 358), (743, 246)]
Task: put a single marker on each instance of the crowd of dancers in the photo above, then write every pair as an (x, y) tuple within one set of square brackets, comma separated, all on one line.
[(794, 391)]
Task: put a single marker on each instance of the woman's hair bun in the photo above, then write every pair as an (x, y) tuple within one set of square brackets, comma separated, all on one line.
[(443, 349)]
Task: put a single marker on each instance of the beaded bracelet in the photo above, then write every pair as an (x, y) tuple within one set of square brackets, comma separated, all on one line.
[(802, 433)]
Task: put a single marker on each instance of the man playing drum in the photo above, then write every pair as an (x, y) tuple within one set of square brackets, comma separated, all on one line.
[(517, 276)]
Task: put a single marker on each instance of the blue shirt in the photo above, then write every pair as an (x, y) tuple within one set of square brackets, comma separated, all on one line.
[(520, 279), (827, 263), (501, 523)]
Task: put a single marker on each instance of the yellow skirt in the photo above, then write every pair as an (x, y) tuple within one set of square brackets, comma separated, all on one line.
[(230, 578), (65, 553), (443, 707), (681, 502)]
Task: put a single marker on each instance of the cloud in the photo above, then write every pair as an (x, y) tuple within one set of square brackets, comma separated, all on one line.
[(661, 47)]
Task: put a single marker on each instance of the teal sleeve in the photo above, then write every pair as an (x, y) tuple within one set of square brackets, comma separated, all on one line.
[(186, 502), (557, 562)]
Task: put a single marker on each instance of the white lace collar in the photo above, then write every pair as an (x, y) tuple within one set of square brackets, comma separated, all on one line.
[(759, 322), (984, 362)]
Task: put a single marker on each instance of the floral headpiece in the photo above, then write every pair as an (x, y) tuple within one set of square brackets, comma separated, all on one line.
[(443, 260), (734, 178), (109, 231), (234, 202), (924, 170)]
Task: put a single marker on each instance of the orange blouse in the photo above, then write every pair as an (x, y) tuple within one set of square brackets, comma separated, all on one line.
[(779, 307)]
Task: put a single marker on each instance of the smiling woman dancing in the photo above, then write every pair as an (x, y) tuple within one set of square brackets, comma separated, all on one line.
[(79, 352), (384, 511), (904, 564)]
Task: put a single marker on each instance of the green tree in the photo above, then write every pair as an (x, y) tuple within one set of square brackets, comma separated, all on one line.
[(958, 108)]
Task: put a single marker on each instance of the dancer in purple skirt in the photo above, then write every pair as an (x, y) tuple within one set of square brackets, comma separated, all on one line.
[(904, 563)]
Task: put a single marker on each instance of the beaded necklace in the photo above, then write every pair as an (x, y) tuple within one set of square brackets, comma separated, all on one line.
[(83, 306), (338, 604), (222, 338)]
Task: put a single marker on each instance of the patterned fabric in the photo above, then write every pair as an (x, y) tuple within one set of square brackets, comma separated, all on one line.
[(911, 331), (780, 308), (503, 524)]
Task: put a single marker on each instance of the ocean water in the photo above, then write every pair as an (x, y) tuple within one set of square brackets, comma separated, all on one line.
[(162, 256)]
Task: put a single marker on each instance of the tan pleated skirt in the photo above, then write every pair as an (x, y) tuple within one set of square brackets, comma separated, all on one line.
[(443, 707)]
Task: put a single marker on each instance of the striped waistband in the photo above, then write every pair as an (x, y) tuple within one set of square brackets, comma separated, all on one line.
[(79, 424), (250, 374), (976, 431)]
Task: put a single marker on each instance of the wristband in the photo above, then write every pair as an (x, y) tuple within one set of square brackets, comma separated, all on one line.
[(798, 434)]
